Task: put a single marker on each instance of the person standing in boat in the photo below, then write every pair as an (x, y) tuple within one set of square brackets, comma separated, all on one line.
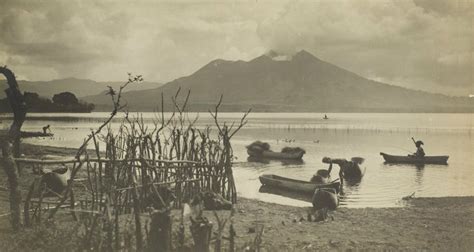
[(46, 129)]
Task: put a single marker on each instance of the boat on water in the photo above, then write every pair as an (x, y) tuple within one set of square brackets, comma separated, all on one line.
[(262, 150), (410, 159), (276, 155), (295, 185)]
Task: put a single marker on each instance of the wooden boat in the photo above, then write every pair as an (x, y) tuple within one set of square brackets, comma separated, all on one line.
[(415, 160), (276, 155), (262, 150), (294, 184), (268, 160)]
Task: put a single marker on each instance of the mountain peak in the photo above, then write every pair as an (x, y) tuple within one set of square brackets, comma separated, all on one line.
[(262, 58), (303, 54), (272, 54), (275, 56)]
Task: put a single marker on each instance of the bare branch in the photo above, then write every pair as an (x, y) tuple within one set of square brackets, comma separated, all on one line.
[(243, 122)]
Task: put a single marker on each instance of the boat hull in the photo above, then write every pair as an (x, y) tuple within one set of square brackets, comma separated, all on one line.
[(276, 155), (415, 160), (294, 184)]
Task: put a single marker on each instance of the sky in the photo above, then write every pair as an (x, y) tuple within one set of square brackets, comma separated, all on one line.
[(420, 44)]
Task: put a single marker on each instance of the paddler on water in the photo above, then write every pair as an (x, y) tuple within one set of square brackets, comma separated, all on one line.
[(419, 150), (46, 129)]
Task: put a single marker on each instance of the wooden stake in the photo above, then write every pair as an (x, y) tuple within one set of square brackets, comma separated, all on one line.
[(160, 231)]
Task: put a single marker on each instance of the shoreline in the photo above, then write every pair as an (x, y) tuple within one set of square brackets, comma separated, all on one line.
[(441, 223), (445, 223)]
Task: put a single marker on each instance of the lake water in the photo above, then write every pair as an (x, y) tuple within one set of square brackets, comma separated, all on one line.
[(343, 135)]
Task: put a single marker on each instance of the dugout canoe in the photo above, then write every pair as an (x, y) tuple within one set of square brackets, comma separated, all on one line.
[(414, 159), (295, 185), (276, 155)]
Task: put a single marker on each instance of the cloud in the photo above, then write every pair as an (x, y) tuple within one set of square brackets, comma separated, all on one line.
[(415, 43)]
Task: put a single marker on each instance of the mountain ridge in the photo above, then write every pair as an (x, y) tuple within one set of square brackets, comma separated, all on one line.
[(301, 83)]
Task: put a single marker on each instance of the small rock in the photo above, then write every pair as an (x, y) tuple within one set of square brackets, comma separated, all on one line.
[(251, 230), (309, 246), (333, 243), (302, 219), (283, 223), (294, 220), (241, 211)]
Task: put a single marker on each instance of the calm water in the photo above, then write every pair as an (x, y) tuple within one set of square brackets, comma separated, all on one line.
[(343, 135)]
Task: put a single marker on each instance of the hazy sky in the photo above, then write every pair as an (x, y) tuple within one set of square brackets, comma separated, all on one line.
[(421, 44)]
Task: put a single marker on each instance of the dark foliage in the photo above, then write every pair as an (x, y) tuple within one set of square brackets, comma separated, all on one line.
[(65, 99), (62, 102), (292, 150)]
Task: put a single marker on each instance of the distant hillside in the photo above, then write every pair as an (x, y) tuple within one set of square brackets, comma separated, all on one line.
[(80, 87), (300, 83)]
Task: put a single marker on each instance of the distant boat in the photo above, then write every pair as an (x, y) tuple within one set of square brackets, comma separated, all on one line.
[(325, 117), (295, 185), (414, 159)]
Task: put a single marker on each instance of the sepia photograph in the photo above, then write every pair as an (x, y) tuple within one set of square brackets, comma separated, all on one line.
[(236, 125)]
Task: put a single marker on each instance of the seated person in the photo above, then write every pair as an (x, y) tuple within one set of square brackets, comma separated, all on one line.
[(419, 150)]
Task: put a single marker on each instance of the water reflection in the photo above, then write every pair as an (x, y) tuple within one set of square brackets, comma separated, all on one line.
[(420, 168), (353, 183)]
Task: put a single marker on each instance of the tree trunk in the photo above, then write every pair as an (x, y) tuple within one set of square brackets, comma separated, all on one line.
[(18, 106), (17, 103), (12, 173)]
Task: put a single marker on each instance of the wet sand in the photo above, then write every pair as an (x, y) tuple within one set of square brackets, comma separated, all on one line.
[(424, 224)]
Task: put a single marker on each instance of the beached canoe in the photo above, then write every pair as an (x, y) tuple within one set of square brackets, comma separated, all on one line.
[(294, 184), (415, 160), (276, 155)]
